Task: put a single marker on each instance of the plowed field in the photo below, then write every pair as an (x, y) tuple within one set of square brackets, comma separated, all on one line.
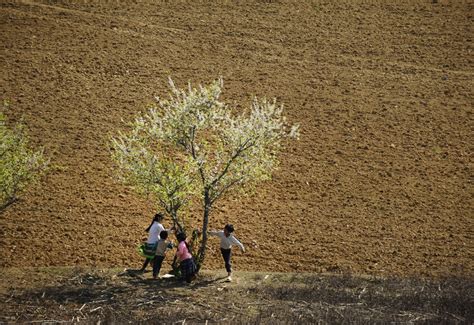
[(380, 182)]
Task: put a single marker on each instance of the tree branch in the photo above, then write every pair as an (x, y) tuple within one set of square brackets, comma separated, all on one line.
[(241, 149), (9, 202), (193, 152), (225, 189)]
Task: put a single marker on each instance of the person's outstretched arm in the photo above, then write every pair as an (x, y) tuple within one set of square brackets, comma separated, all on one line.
[(238, 243), (214, 233)]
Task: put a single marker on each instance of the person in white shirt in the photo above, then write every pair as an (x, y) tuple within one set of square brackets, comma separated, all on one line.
[(227, 240), (154, 230)]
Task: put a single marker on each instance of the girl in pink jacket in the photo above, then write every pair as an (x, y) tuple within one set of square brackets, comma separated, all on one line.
[(188, 267)]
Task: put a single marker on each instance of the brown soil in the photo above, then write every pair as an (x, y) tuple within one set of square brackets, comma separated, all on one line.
[(379, 183), (54, 295)]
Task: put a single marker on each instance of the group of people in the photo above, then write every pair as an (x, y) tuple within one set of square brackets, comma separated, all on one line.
[(157, 244)]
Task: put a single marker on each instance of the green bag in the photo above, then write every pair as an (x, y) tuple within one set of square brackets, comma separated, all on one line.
[(147, 250)]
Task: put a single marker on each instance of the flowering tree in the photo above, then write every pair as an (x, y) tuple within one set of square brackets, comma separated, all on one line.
[(19, 165), (192, 144), (154, 169)]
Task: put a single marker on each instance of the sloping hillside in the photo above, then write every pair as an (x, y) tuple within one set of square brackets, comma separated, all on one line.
[(380, 181)]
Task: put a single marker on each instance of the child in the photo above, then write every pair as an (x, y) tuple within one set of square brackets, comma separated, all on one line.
[(161, 246), (188, 267), (154, 230), (227, 240)]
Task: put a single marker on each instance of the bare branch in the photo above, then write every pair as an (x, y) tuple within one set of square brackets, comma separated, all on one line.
[(237, 153), (226, 188)]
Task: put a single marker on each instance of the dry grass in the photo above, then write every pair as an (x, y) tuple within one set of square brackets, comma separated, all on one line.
[(71, 295)]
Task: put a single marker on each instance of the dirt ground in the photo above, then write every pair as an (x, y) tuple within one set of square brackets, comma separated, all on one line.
[(77, 295), (380, 182)]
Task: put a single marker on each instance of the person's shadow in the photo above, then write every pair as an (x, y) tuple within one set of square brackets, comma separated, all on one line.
[(137, 277), (103, 296), (95, 289)]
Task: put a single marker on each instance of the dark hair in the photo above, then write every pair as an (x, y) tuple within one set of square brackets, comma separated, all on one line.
[(180, 236), (229, 227), (164, 234), (157, 217)]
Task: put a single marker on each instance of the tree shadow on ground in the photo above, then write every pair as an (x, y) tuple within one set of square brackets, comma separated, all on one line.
[(130, 284), (127, 296), (137, 277)]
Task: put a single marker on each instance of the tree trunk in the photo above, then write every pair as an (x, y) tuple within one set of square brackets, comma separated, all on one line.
[(177, 225), (202, 249)]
